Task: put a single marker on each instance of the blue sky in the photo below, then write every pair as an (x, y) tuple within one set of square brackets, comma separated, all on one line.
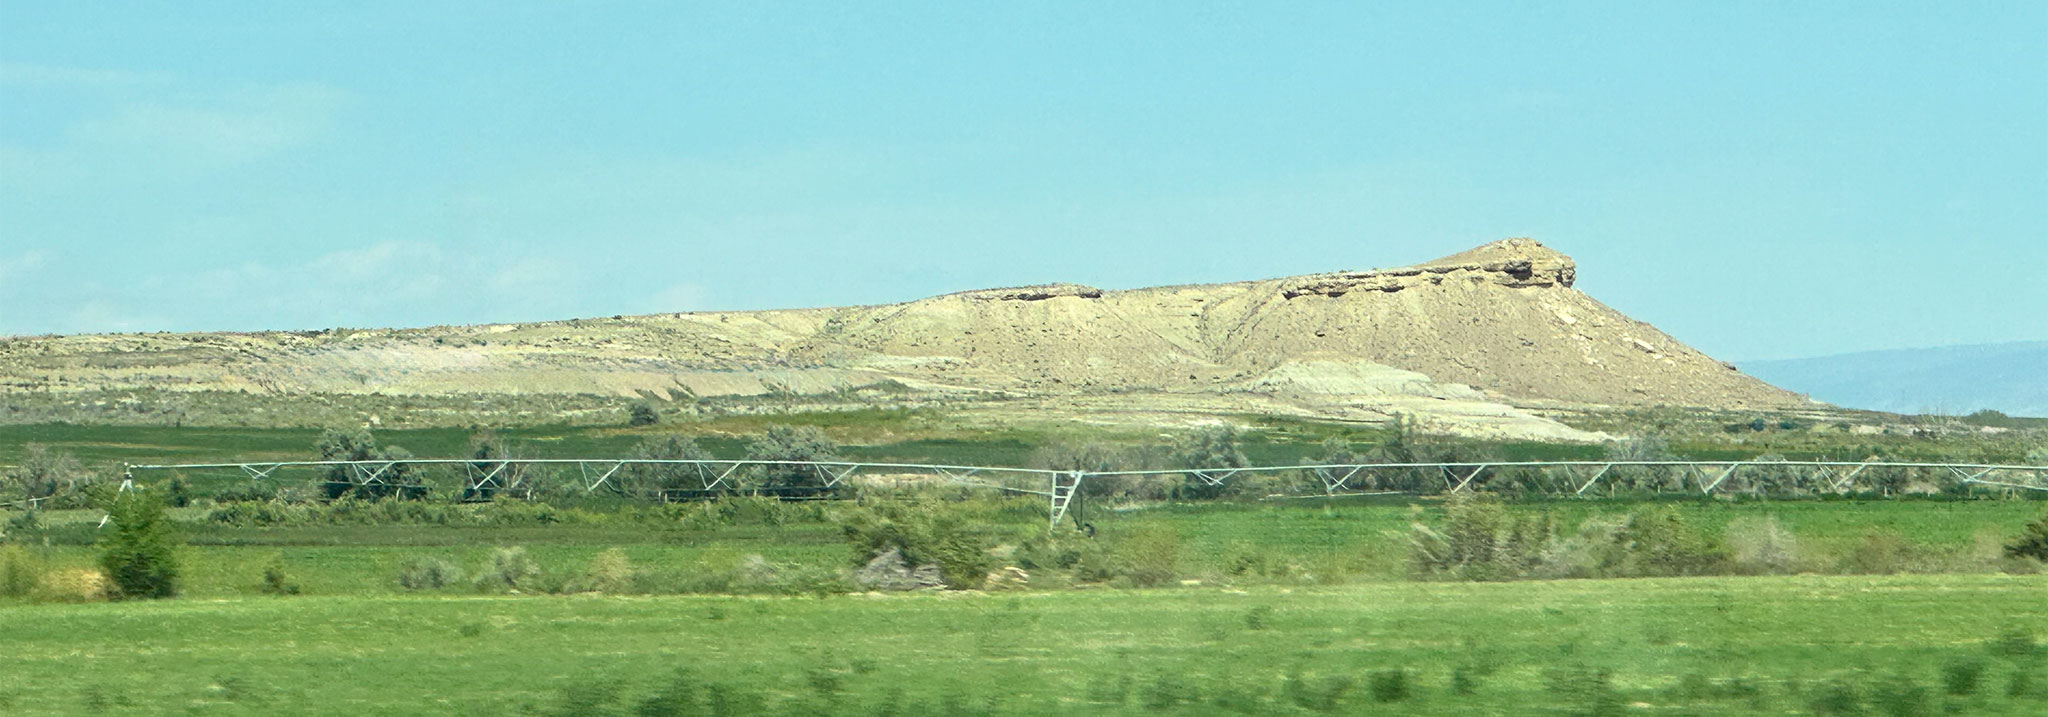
[(1762, 180)]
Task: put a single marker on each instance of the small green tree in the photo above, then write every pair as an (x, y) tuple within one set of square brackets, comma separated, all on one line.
[(1650, 447), (488, 453), (791, 444), (44, 473), (356, 482), (138, 552), (1212, 447), (1402, 441), (655, 479), (642, 414), (1091, 457), (2032, 543), (1337, 450)]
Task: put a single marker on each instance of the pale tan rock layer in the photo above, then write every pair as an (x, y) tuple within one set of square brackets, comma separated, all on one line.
[(1495, 326)]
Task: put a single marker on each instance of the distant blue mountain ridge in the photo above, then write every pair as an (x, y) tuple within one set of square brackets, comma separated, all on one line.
[(2008, 377)]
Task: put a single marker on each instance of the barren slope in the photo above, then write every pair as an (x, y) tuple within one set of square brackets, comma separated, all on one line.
[(1468, 335)]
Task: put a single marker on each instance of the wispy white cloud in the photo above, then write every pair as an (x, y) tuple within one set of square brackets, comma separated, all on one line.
[(106, 315), (675, 298), (21, 263), (231, 127), (24, 74), (386, 283)]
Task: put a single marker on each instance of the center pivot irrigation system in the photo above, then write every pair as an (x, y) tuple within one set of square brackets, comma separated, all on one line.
[(1061, 488)]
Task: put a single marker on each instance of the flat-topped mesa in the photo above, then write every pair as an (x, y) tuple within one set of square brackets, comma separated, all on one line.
[(1038, 292), (1514, 262)]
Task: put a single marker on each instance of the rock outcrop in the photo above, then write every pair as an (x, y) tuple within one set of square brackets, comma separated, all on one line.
[(1517, 263)]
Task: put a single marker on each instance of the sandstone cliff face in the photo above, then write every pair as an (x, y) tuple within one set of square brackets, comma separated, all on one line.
[(1517, 263), (1496, 326)]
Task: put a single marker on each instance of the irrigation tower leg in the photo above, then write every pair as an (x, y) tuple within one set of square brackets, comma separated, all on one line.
[(1064, 486)]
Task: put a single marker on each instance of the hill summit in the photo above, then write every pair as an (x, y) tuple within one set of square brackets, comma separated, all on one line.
[(1471, 342)]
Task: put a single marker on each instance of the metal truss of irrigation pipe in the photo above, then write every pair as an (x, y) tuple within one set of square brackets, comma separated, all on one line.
[(1061, 487)]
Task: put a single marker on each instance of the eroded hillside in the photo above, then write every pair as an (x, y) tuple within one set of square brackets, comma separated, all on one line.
[(1470, 341)]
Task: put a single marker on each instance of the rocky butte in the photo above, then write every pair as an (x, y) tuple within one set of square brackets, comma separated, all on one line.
[(1481, 342)]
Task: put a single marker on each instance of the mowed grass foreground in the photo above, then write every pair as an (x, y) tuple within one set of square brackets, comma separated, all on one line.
[(1782, 645)]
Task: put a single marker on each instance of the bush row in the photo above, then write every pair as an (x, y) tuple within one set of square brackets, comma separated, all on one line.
[(1477, 538), (512, 570), (737, 510)]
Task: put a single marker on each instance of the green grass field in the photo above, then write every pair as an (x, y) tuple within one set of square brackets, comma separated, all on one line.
[(1330, 621), (1324, 541), (1682, 646)]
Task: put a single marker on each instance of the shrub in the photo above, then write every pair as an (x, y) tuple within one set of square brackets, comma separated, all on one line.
[(1319, 695), (1836, 698), (1762, 547), (1149, 556), (1389, 685), (674, 698), (139, 551), (1056, 552), (1259, 617), (1642, 478), (1658, 542), (488, 453), (1168, 690), (1107, 688), (2021, 684), (1239, 697), (350, 511), (1212, 447), (20, 571), (610, 572), (1962, 676), (1243, 560), (1465, 679), (1065, 455), (816, 581), (1478, 540), (1091, 457), (1767, 474), (1090, 560), (1589, 691), (642, 413), (1879, 552), (589, 697), (509, 569), (656, 479), (275, 582), (1400, 442), (2032, 543), (177, 492), (1900, 696), (73, 585), (2015, 643), (926, 534), (44, 473), (21, 526), (253, 492), (794, 444), (347, 480), (428, 574)]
